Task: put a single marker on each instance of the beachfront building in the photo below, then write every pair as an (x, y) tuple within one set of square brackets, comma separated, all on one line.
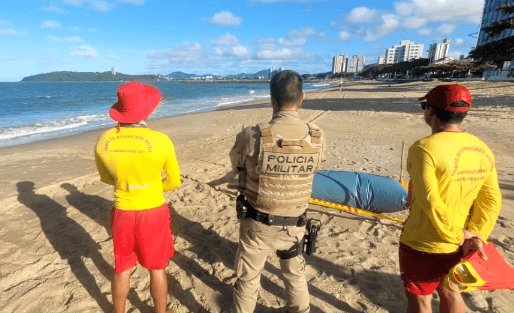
[(381, 60), (113, 71), (438, 52), (489, 16), (355, 64), (275, 70), (339, 64), (406, 51)]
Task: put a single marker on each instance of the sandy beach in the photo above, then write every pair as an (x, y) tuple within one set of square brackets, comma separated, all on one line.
[(55, 245)]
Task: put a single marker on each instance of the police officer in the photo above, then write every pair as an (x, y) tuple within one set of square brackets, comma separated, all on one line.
[(277, 161)]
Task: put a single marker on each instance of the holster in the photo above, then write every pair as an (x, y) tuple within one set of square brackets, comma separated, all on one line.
[(307, 244), (241, 207)]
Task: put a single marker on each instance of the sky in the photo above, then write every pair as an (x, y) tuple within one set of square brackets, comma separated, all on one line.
[(219, 37)]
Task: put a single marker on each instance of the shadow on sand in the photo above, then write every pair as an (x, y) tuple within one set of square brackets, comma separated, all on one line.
[(73, 243)]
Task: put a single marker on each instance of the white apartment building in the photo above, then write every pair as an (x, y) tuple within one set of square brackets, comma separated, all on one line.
[(355, 64), (275, 70), (339, 64), (381, 60), (438, 52), (406, 51)]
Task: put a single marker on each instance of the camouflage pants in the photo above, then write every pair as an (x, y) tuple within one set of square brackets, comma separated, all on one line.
[(255, 241)]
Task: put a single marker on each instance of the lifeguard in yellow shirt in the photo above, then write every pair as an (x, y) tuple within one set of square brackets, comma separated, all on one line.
[(454, 200), (132, 158)]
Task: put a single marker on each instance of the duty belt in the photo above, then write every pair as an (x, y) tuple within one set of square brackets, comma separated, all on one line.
[(269, 219)]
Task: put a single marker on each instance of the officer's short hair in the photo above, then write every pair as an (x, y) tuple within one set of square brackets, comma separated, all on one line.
[(451, 117), (286, 88)]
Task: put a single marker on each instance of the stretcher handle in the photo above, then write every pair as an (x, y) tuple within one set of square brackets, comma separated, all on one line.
[(468, 278)]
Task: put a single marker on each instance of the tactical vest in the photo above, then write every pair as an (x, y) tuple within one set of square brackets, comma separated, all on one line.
[(282, 182)]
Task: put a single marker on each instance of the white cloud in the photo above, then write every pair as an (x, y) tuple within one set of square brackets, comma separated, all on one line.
[(298, 37), (404, 8), (426, 31), (84, 51), (10, 31), (225, 18), (73, 39), (268, 52), (138, 2), (292, 42), (221, 51), (75, 29), (241, 51), (343, 36), (226, 40), (361, 15), (53, 8), (75, 2), (113, 57), (459, 42), (274, 1), (53, 38), (132, 53), (51, 24), (438, 10), (414, 22), (188, 55), (389, 24), (100, 5), (446, 29)]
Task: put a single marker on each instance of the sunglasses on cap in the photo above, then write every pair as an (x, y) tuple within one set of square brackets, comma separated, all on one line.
[(424, 105)]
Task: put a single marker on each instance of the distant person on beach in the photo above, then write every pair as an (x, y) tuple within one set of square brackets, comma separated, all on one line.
[(454, 200), (276, 162), (131, 157)]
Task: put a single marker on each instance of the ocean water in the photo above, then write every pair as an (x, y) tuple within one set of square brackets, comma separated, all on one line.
[(33, 111)]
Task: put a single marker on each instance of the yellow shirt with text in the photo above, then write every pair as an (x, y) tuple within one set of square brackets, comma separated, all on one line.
[(454, 186), (133, 160)]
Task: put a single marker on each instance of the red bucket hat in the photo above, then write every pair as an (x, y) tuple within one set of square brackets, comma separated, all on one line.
[(135, 102), (444, 95)]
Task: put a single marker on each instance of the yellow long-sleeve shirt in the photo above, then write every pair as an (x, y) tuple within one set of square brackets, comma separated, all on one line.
[(133, 160), (454, 186)]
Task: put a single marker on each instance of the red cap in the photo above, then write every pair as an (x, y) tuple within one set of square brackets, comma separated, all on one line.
[(135, 102), (444, 95)]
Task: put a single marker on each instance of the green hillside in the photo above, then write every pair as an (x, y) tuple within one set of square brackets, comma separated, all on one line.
[(86, 77)]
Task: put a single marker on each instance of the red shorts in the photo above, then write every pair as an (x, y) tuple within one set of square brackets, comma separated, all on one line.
[(422, 272), (142, 236)]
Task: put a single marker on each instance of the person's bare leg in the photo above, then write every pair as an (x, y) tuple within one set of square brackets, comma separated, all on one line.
[(451, 302), (159, 290), (120, 289), (418, 304)]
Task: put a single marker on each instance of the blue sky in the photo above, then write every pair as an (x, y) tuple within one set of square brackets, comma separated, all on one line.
[(219, 37)]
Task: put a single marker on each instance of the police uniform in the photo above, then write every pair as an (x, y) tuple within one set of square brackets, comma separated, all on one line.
[(280, 159)]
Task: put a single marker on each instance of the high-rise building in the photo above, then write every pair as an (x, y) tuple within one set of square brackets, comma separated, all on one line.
[(381, 60), (489, 16), (355, 64), (438, 52), (113, 71), (406, 51), (339, 64), (274, 71)]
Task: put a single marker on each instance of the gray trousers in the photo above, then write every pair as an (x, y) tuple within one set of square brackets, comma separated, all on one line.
[(255, 241)]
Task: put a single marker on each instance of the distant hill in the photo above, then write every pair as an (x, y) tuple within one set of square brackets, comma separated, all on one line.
[(87, 77), (180, 75), (263, 73)]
